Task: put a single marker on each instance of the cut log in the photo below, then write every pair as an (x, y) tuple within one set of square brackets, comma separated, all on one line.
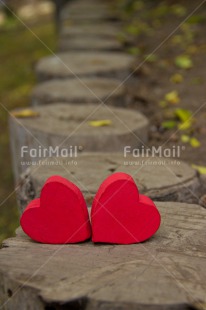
[(86, 43), (89, 16), (159, 178), (88, 4), (67, 127), (103, 30), (87, 11), (165, 273), (88, 90), (84, 64)]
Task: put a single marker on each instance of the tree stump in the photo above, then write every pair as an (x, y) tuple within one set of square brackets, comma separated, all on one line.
[(166, 272), (84, 64), (88, 4), (87, 11), (90, 15), (88, 90), (67, 127), (101, 30), (86, 43), (159, 178)]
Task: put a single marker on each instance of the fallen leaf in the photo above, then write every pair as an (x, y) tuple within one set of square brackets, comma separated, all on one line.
[(185, 138), (172, 97), (183, 115), (194, 142), (185, 125), (200, 169), (134, 51), (176, 78), (169, 124), (179, 10), (25, 113), (133, 29), (196, 19), (183, 62), (100, 123)]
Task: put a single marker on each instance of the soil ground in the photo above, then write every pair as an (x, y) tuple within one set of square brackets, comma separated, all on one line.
[(155, 76)]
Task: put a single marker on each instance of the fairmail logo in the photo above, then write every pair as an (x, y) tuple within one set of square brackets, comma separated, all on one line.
[(173, 152), (41, 152)]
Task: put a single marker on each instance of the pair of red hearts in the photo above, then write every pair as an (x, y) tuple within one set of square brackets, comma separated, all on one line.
[(119, 214)]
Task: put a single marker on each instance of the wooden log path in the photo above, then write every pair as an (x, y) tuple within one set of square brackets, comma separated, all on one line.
[(165, 273), (88, 90), (103, 30), (84, 64), (90, 12), (90, 15), (92, 44)]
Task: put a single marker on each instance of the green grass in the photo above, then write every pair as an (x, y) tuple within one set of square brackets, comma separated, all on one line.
[(19, 50)]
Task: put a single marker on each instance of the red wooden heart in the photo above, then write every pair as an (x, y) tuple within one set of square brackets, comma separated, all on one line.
[(59, 216), (120, 215)]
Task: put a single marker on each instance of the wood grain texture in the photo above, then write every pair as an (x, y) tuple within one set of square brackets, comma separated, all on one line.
[(85, 43), (67, 125), (166, 272), (91, 15), (98, 6), (89, 90), (158, 178), (103, 30), (92, 12), (84, 64)]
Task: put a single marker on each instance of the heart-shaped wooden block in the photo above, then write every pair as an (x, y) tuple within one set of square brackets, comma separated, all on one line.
[(59, 216), (120, 215)]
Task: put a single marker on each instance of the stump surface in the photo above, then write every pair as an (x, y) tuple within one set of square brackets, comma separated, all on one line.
[(166, 272), (88, 90), (101, 30), (90, 15), (85, 43), (87, 11), (83, 64), (67, 125), (158, 178), (88, 4)]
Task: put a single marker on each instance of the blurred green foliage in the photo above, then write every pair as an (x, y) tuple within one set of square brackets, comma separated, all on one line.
[(19, 50)]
